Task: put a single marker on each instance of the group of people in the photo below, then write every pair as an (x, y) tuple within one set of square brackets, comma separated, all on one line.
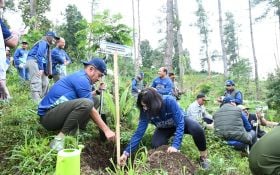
[(232, 122), (42, 62), (71, 102)]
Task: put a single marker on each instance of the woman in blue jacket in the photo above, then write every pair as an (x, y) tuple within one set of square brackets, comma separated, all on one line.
[(170, 120)]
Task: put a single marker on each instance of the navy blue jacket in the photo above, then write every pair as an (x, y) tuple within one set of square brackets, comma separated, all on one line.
[(171, 116)]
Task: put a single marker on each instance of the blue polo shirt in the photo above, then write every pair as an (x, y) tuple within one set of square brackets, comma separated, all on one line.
[(39, 52), (74, 86), (58, 58), (20, 56), (163, 85)]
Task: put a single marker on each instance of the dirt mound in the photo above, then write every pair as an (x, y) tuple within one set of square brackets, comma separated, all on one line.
[(174, 163), (96, 156)]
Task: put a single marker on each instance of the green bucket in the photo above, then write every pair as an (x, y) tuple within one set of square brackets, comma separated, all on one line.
[(68, 162)]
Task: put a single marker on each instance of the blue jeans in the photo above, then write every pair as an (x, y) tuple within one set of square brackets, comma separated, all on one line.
[(192, 127), (23, 73), (242, 146)]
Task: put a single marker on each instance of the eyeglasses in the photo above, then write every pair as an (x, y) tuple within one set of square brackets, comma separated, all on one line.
[(228, 85)]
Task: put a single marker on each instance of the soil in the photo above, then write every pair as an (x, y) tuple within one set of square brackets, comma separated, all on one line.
[(174, 163), (96, 157)]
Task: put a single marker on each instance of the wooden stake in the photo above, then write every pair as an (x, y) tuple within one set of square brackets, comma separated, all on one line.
[(116, 82)]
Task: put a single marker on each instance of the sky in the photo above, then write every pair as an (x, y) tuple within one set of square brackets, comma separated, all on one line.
[(264, 31)]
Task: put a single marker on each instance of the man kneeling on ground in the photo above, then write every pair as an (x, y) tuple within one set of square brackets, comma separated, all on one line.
[(69, 104), (232, 125), (197, 111)]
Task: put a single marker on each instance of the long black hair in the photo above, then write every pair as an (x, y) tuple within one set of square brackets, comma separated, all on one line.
[(151, 99)]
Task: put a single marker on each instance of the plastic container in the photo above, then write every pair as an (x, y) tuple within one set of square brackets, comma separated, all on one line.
[(68, 161)]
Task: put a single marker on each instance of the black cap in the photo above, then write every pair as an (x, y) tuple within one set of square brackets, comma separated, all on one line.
[(201, 95)]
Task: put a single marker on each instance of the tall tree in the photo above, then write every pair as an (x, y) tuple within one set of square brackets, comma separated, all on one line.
[(139, 35), (33, 14), (33, 5), (178, 44), (74, 23), (230, 39), (146, 53), (254, 52), (134, 39), (224, 55), (202, 24), (169, 36)]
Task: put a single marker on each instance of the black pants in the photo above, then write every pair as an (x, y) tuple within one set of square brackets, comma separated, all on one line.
[(68, 116), (192, 127)]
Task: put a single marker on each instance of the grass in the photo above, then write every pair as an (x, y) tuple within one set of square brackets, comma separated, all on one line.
[(24, 146)]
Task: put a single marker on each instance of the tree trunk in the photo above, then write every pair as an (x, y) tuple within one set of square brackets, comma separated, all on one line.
[(134, 40), (33, 5), (169, 36), (179, 45), (89, 52), (278, 13), (254, 52), (207, 56), (32, 8), (139, 60), (224, 55)]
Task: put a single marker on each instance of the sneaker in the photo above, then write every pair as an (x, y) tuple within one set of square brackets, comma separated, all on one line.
[(57, 143), (204, 163)]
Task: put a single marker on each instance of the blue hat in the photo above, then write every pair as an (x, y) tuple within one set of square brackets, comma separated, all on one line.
[(98, 63), (52, 34), (229, 83), (228, 99)]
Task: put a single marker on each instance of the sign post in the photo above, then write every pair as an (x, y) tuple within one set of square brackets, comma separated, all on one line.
[(116, 82), (111, 48), (115, 50)]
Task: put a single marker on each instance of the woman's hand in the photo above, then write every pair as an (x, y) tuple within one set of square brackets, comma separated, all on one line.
[(171, 149), (123, 159)]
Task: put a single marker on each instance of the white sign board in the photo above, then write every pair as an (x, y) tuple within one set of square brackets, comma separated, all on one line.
[(111, 48)]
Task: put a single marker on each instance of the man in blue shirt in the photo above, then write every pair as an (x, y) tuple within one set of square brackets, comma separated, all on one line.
[(162, 83), (69, 105), (39, 65), (20, 57), (59, 60), (232, 92)]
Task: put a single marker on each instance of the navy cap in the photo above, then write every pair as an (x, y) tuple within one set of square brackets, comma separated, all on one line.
[(98, 63), (228, 99), (24, 42), (229, 83), (52, 34)]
